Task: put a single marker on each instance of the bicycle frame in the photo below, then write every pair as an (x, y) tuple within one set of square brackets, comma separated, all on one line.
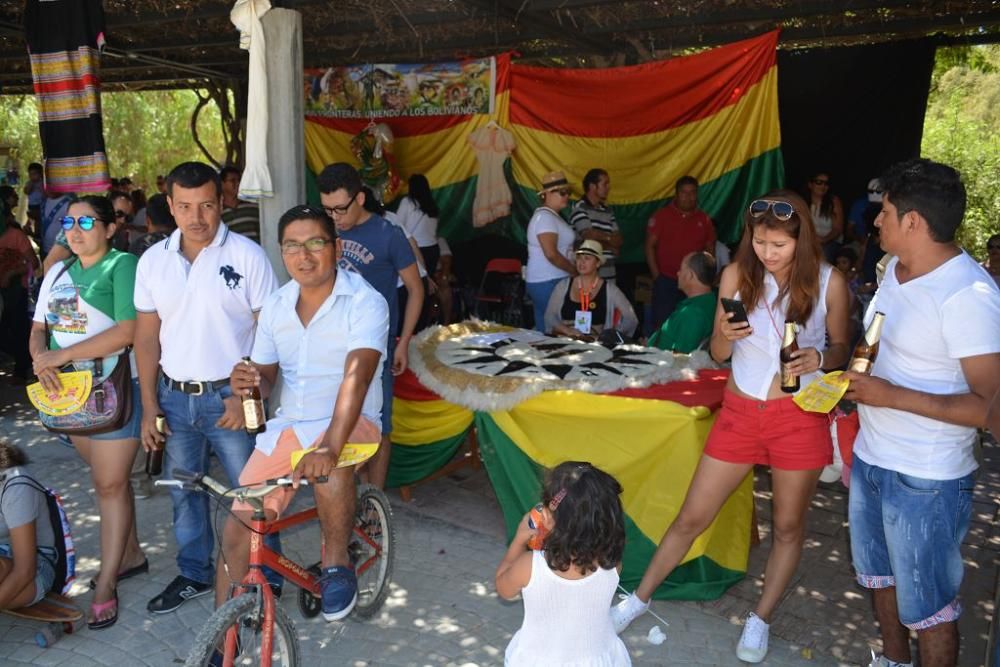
[(263, 556)]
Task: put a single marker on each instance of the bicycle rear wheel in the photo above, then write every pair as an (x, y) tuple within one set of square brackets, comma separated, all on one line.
[(245, 615), (372, 549)]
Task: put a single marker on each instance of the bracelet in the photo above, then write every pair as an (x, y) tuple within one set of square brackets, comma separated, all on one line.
[(820, 359)]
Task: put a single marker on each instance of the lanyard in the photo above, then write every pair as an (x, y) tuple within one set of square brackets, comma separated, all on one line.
[(585, 294)]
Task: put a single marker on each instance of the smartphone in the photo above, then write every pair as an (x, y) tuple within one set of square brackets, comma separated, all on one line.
[(736, 307)]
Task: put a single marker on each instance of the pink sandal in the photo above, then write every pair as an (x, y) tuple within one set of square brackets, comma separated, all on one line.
[(98, 608)]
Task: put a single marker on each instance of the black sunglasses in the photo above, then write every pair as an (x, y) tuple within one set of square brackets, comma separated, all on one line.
[(86, 222), (820, 181), (993, 246), (781, 210)]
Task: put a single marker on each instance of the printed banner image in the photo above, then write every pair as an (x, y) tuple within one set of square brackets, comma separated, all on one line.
[(388, 90)]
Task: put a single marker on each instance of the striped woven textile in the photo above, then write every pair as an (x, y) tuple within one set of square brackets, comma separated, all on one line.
[(65, 38)]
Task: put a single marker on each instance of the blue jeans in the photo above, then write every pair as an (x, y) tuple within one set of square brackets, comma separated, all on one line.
[(193, 437), (540, 293), (666, 296), (907, 532)]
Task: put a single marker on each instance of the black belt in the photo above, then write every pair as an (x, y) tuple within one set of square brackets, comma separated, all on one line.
[(195, 387)]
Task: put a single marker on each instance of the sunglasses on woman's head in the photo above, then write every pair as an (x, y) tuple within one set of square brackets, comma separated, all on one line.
[(86, 222), (781, 210)]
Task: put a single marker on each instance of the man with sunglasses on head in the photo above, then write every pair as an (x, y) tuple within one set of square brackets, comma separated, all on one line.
[(325, 332), (673, 232), (378, 250), (937, 370), (197, 295)]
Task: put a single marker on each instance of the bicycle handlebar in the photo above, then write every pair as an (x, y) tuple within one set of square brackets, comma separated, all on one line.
[(186, 479)]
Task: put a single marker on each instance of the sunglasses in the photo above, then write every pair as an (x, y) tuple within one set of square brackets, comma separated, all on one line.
[(120, 214), (312, 245), (820, 181), (993, 246), (781, 210), (340, 210), (875, 192), (86, 222)]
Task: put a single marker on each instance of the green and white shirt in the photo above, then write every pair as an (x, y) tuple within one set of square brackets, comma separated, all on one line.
[(79, 303)]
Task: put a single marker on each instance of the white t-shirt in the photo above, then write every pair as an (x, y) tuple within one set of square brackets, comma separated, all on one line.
[(422, 227), (394, 219), (208, 307), (931, 323), (547, 221)]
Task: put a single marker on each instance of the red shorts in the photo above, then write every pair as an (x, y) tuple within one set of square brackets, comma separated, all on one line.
[(777, 433)]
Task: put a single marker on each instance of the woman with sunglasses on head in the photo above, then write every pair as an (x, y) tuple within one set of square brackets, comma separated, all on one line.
[(86, 312), (779, 276), (550, 242), (827, 213)]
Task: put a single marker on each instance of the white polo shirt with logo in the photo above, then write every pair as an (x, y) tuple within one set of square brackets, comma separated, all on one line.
[(208, 307)]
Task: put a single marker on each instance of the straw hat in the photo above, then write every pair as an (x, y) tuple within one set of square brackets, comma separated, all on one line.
[(592, 248), (553, 181)]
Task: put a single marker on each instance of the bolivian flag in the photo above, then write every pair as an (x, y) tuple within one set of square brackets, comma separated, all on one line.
[(713, 115), (650, 440)]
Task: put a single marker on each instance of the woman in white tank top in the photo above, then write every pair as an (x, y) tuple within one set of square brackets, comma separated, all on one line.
[(780, 276), (569, 583)]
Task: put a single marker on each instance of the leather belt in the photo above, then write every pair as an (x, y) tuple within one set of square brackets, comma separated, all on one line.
[(195, 387)]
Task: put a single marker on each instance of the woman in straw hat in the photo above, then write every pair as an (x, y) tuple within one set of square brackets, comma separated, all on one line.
[(550, 241), (586, 305)]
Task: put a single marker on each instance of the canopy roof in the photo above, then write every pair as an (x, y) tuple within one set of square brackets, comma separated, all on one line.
[(179, 43)]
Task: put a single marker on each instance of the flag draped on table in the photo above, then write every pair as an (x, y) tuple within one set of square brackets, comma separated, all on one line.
[(713, 115), (64, 39)]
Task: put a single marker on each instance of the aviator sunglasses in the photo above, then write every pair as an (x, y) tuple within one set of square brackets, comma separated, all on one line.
[(86, 222), (781, 210)]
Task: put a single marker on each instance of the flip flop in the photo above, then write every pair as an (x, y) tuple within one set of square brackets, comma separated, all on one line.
[(141, 568), (96, 609)]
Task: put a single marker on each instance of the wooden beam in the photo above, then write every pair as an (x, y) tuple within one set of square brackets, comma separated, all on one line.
[(541, 20)]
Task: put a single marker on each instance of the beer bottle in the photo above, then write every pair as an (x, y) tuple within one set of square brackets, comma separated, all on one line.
[(789, 381), (867, 349), (254, 418), (154, 457)]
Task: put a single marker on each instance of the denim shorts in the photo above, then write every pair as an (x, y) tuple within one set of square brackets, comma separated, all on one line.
[(45, 573), (907, 532), (133, 427)]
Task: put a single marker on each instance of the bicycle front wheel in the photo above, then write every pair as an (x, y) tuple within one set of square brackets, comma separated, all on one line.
[(245, 616)]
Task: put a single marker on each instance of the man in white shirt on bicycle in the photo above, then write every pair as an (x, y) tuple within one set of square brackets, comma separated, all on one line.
[(326, 332)]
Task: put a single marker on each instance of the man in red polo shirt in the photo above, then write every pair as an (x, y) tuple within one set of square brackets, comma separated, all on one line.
[(673, 232)]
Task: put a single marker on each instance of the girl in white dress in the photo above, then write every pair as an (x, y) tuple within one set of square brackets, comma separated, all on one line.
[(568, 584)]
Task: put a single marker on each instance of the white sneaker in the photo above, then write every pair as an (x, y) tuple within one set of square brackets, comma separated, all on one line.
[(753, 641), (882, 661), (627, 611)]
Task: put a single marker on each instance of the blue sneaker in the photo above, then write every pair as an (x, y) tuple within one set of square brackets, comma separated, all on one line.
[(339, 587)]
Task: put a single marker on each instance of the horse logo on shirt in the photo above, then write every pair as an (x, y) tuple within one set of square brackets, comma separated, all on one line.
[(232, 278)]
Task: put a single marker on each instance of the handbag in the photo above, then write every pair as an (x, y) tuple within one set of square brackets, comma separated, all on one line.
[(109, 405)]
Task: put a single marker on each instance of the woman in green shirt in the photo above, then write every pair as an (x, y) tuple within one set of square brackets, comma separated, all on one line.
[(87, 304)]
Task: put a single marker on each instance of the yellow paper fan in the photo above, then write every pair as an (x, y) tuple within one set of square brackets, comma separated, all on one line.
[(352, 454), (73, 395)]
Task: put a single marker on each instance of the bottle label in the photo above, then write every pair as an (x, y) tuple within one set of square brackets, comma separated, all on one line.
[(787, 377), (860, 365), (253, 414)]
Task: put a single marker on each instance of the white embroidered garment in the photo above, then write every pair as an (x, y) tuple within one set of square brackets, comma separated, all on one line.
[(246, 15), (493, 145)]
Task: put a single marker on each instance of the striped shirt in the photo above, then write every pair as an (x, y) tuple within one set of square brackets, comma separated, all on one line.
[(243, 219), (602, 219)]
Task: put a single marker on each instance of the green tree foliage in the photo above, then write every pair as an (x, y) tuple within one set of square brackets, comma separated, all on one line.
[(145, 133), (962, 128)]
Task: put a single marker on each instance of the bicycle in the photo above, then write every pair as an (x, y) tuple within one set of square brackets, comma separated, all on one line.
[(250, 629)]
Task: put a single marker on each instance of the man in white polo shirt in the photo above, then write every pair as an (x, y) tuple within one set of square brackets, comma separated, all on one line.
[(937, 369), (325, 332), (197, 295)]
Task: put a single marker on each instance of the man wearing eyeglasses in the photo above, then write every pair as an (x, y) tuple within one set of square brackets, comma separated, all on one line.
[(938, 368), (325, 331), (674, 232), (378, 250), (197, 295)]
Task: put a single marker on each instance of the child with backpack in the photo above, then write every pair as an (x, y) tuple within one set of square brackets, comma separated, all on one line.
[(29, 545), (568, 583)]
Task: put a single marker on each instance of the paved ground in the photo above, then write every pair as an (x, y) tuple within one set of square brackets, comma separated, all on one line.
[(442, 609)]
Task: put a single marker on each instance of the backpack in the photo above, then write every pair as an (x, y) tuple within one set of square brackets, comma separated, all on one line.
[(65, 565)]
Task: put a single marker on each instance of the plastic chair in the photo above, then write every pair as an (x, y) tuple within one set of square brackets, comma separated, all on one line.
[(500, 289)]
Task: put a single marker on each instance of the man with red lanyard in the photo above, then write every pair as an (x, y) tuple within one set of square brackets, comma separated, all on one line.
[(673, 232)]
